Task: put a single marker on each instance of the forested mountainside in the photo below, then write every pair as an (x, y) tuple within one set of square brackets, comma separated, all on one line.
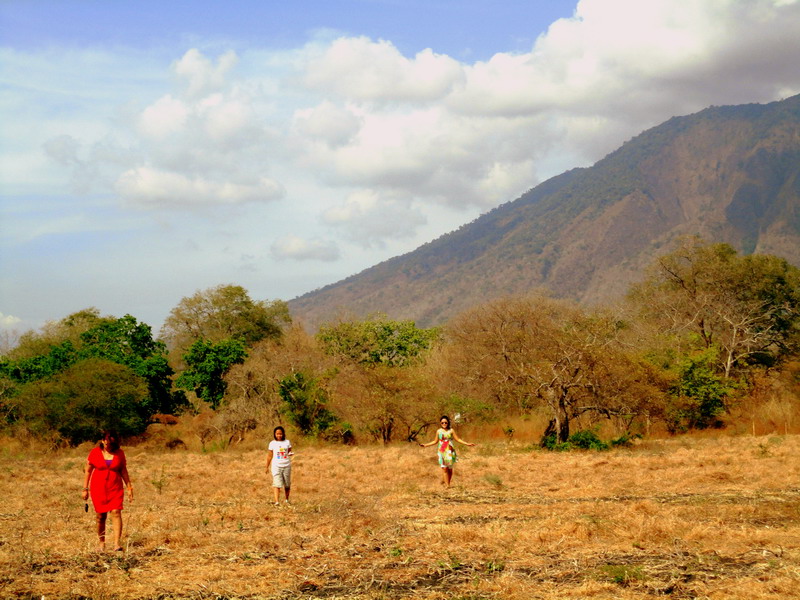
[(729, 174)]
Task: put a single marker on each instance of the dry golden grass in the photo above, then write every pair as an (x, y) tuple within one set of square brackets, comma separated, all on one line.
[(682, 518)]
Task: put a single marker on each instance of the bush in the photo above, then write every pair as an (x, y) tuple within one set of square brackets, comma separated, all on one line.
[(304, 404), (581, 440), (87, 398)]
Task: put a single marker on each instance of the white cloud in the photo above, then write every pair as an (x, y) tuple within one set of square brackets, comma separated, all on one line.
[(153, 187), (7, 321), (365, 70), (166, 116), (296, 248), (369, 219), (331, 124), (200, 75), (403, 140)]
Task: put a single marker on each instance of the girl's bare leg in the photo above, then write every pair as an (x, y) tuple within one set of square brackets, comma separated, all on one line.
[(101, 531), (116, 521), (448, 475)]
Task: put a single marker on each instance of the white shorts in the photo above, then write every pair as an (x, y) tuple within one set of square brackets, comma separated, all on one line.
[(282, 477)]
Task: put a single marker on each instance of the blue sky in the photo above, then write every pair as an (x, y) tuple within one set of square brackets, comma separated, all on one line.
[(462, 29), (152, 149)]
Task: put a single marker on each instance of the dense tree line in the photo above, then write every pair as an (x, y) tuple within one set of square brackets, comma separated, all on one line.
[(695, 337)]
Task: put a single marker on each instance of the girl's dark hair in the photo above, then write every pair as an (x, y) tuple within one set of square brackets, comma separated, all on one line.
[(274, 431), (445, 418), (113, 439)]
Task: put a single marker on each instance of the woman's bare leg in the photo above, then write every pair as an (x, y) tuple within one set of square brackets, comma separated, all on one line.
[(101, 531), (448, 475), (116, 521)]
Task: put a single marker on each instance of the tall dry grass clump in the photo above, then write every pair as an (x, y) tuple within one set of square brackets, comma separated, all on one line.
[(680, 518)]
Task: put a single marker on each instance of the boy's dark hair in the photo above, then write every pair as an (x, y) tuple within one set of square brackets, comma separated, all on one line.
[(113, 439), (274, 431)]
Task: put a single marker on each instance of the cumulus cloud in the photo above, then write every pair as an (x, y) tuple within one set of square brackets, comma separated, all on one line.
[(296, 248), (405, 135), (153, 187), (365, 70), (199, 75), (328, 123), (8, 320), (369, 219)]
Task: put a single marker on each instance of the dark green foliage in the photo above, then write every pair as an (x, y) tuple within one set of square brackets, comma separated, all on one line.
[(40, 392), (127, 342), (78, 403), (698, 398), (304, 403), (586, 439), (207, 363), (30, 369)]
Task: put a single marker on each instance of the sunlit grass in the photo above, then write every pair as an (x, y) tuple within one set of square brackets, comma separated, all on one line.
[(683, 518)]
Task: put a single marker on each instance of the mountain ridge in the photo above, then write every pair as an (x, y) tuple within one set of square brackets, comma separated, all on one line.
[(729, 173)]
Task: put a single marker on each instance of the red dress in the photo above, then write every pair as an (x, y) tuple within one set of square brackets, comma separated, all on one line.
[(105, 485)]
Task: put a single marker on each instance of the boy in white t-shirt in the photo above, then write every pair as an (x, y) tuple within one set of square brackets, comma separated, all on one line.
[(279, 458)]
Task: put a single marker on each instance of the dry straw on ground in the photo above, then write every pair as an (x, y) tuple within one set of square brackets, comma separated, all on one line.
[(710, 518)]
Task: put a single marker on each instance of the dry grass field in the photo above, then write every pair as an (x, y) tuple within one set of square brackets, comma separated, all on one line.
[(681, 518)]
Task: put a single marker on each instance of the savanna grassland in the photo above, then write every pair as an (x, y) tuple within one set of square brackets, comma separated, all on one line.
[(679, 518)]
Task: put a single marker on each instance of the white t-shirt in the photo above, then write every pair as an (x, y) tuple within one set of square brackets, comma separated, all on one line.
[(280, 454)]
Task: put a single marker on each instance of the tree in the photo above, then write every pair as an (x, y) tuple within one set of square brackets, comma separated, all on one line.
[(127, 342), (698, 395), (207, 363), (123, 341), (54, 333), (305, 403), (221, 313), (79, 402), (747, 308), (252, 387), (526, 352), (378, 381), (377, 341)]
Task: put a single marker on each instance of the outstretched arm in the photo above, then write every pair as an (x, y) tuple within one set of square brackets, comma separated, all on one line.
[(431, 443), (458, 439)]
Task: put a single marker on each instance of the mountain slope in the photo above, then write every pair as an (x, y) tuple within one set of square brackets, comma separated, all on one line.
[(729, 174)]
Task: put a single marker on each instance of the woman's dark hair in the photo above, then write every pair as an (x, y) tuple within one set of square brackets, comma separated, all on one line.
[(445, 418), (274, 431), (113, 439)]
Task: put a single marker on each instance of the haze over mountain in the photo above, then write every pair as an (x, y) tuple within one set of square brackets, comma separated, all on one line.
[(729, 174)]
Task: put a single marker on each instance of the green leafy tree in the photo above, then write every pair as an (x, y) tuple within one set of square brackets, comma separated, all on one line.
[(207, 363), (377, 357), (377, 341), (85, 335), (221, 313), (698, 396), (79, 402), (56, 359), (33, 344), (128, 342), (305, 404), (745, 308)]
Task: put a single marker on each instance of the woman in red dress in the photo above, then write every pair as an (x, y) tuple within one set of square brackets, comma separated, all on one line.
[(106, 472)]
